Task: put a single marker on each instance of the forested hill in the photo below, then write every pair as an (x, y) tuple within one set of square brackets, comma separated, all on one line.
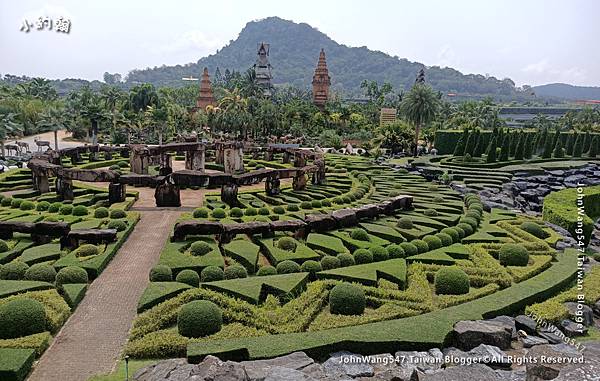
[(565, 91), (294, 53)]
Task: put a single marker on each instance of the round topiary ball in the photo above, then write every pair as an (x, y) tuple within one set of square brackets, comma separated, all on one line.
[(287, 244), (218, 213), (461, 233), (346, 259), (288, 267), (347, 299), (311, 266), (211, 274), (379, 253), (199, 318), (250, 211), (315, 203), (446, 239), (305, 205), (421, 245), (200, 213), (329, 262), (363, 256), (22, 317), (86, 250), (200, 248), (101, 212), (235, 272), (161, 273), (80, 210), (123, 164), (118, 225), (117, 213), (433, 242), (3, 246), (430, 212), (513, 255), (293, 208), (264, 211), (16, 203), (42, 206), (451, 280), (409, 249), (236, 212), (359, 234), (27, 205), (189, 277), (6, 201), (278, 209), (326, 203), (395, 251), (470, 221), (66, 209), (437, 199), (14, 270), (54, 207), (71, 274), (41, 272), (468, 229), (452, 233), (267, 270), (405, 223), (534, 229)]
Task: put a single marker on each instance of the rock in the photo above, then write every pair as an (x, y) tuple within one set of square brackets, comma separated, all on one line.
[(580, 313), (509, 322), (474, 372), (514, 375), (159, 371), (530, 341), (583, 372), (542, 369), (430, 360), (259, 369), (525, 323), (278, 373), (552, 337), (482, 354), (211, 368), (349, 364), (345, 217), (558, 173), (596, 308), (469, 334), (320, 222), (386, 368), (571, 329)]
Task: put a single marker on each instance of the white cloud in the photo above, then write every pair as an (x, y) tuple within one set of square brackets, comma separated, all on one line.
[(191, 40), (447, 57), (544, 71)]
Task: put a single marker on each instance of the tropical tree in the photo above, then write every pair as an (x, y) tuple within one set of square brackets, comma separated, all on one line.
[(53, 119), (157, 117), (112, 96), (9, 127), (419, 107)]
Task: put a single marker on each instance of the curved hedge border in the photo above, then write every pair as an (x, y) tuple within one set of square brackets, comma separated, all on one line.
[(415, 333)]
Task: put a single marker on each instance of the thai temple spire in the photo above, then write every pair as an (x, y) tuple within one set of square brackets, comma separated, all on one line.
[(205, 98), (321, 82), (262, 69)]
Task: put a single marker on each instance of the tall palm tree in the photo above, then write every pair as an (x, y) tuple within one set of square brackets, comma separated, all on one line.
[(157, 117), (111, 95), (419, 107), (9, 127), (53, 119)]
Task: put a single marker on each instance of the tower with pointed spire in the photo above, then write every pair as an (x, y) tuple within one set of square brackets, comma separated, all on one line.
[(262, 69), (205, 98), (321, 82)]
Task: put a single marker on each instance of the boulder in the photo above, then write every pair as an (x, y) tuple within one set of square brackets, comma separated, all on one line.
[(468, 334), (278, 373), (159, 371), (542, 369), (580, 313), (572, 329), (531, 341), (259, 369), (525, 323), (345, 217), (511, 375), (320, 222), (423, 361), (367, 211), (473, 372), (482, 354), (212, 368), (185, 228), (347, 364), (587, 371), (508, 321), (287, 225), (551, 336)]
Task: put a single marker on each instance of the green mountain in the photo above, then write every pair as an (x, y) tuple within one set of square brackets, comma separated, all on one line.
[(294, 52), (565, 91)]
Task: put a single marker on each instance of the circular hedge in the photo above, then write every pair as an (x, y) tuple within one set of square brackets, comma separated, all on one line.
[(278, 209), (446, 239), (199, 318), (80, 210), (430, 212), (293, 208), (101, 212), (267, 270), (14, 270), (363, 256), (42, 206), (534, 229), (54, 207), (453, 233), (86, 250), (409, 249), (250, 211), (305, 205), (66, 209), (347, 299), (218, 213), (22, 317), (27, 205), (71, 274), (311, 266), (236, 212), (421, 245), (200, 213), (189, 277), (118, 225), (288, 267), (3, 246), (359, 234), (405, 223), (395, 251), (41, 272), (200, 248), (16, 203), (433, 242), (117, 213), (379, 253), (211, 274), (467, 228), (287, 244), (451, 280), (161, 273), (235, 271), (345, 259), (329, 262), (513, 255), (264, 211)]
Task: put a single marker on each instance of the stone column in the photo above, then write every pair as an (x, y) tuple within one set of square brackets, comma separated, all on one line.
[(167, 194), (272, 186), (239, 159), (195, 159), (116, 192), (229, 194), (319, 174), (166, 160), (108, 155), (229, 160), (299, 159), (219, 154), (286, 157), (299, 181), (268, 154), (139, 161), (64, 188), (41, 183)]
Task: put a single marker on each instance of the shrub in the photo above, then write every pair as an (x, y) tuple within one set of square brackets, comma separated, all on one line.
[(315, 203), (42, 272), (326, 203), (211, 274), (451, 280), (409, 249), (433, 242), (267, 270), (305, 205), (101, 212), (432, 188), (42, 206), (344, 259), (71, 274), (200, 248), (338, 200), (66, 209), (54, 207), (405, 223), (123, 164), (250, 211), (461, 233), (199, 318), (474, 215), (363, 256), (236, 212), (452, 233), (14, 270), (513, 255), (264, 211), (200, 213), (117, 213), (534, 229), (16, 203), (347, 299), (161, 273), (27, 205), (421, 245), (293, 208), (114, 167), (189, 277), (288, 267), (311, 266), (235, 271), (470, 221), (278, 209), (118, 225), (359, 234), (329, 262), (51, 219), (86, 250), (430, 212), (395, 251), (3, 246), (446, 239), (466, 228), (438, 199), (218, 213), (6, 201), (80, 210), (287, 244), (379, 253), (22, 317)]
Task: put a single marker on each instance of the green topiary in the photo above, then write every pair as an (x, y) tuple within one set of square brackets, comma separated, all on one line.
[(161, 273), (287, 244), (235, 271), (54, 207), (114, 167), (3, 246), (278, 209), (66, 209), (200, 248), (430, 212), (421, 245), (16, 203), (71, 274), (451, 280), (288, 267), (311, 266), (51, 219), (437, 199), (452, 233), (461, 233), (347, 299), (363, 256), (359, 234), (267, 270), (211, 274), (409, 249), (264, 211), (86, 250), (395, 251), (534, 229), (305, 205), (199, 318), (379, 253), (200, 213), (27, 205), (293, 208), (218, 213), (6, 201), (123, 164), (189, 277), (405, 223), (22, 317), (326, 203), (41, 272), (236, 212), (470, 221), (315, 203), (446, 239), (433, 242), (118, 225), (80, 210), (329, 262), (101, 212), (117, 213), (345, 260), (250, 211), (432, 188), (513, 255), (466, 228), (14, 270)]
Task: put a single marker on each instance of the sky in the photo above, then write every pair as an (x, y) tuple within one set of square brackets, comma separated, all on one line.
[(530, 41)]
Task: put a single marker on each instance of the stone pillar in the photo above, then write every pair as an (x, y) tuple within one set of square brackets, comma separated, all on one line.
[(139, 160), (299, 181), (229, 160), (239, 162), (272, 186), (268, 154), (166, 160), (229, 194), (286, 157), (167, 194), (299, 159), (75, 158), (108, 155), (116, 192), (64, 188), (125, 153), (319, 175), (41, 183), (219, 154), (195, 159)]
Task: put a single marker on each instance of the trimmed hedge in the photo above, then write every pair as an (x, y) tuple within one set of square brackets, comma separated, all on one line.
[(534, 229), (199, 318), (14, 270), (347, 299), (211, 273), (22, 317), (101, 212), (513, 255), (235, 271), (41, 272), (451, 280), (15, 363), (200, 248), (330, 262), (287, 267), (266, 270), (189, 277), (161, 273)]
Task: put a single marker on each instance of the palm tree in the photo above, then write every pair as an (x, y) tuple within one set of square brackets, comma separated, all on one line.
[(111, 95), (157, 117), (9, 127), (53, 119), (419, 107)]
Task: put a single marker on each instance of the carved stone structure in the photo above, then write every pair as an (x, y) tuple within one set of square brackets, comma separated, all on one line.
[(64, 188), (262, 69), (167, 193), (229, 194), (233, 158), (205, 98), (116, 192), (93, 236), (272, 186), (321, 82), (140, 159)]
